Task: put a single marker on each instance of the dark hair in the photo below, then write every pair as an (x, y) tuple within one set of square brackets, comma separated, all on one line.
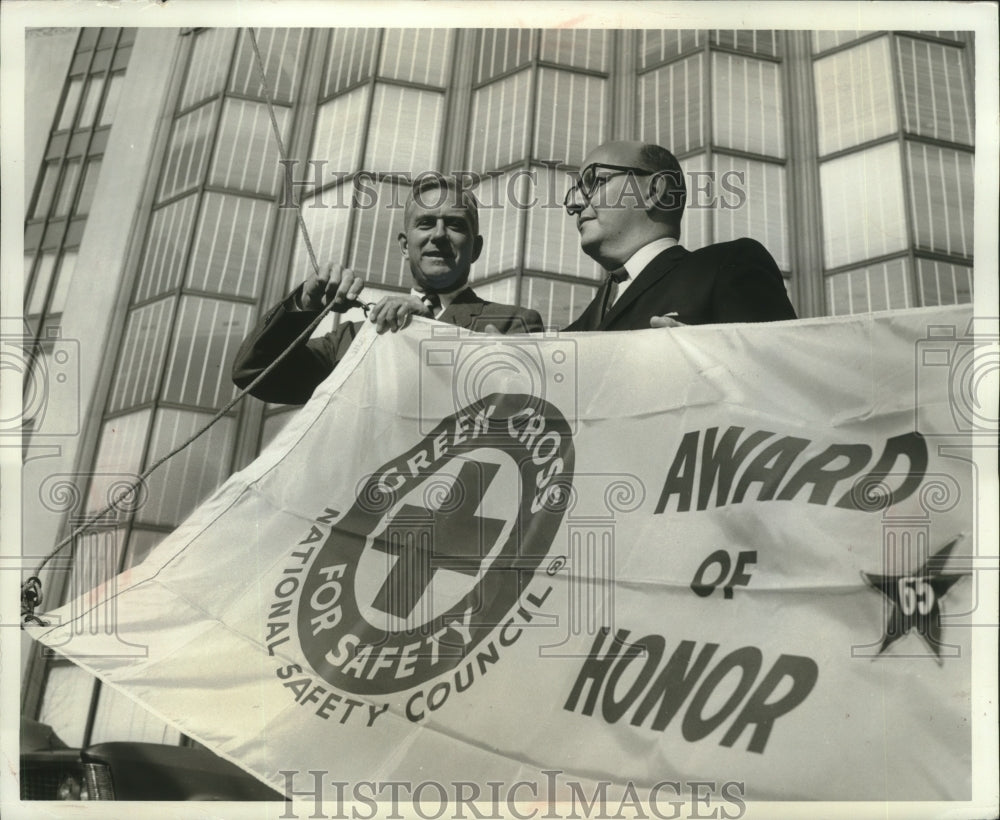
[(665, 165), (462, 197)]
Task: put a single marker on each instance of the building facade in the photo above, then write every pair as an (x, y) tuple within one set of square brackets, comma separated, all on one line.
[(160, 221)]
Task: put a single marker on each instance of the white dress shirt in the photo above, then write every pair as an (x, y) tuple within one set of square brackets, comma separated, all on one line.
[(642, 257)]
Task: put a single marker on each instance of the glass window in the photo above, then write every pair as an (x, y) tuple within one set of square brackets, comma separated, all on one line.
[(823, 40), (66, 701), (90, 175), (209, 65), (421, 55), (47, 190), (187, 156), (91, 100), (326, 217), (862, 198), (40, 287), (657, 46), (500, 223), (942, 283), (578, 48), (72, 99), (553, 242), (375, 252), (404, 134), (854, 96), (119, 717), (118, 460), (207, 333), (751, 199), (230, 246), (503, 49), (96, 557), (499, 290), (111, 99), (702, 200), (63, 280), (746, 105), (351, 58), (246, 151), (758, 42), (942, 184), (143, 349), (281, 52), (499, 129), (672, 105), (570, 113), (558, 302), (877, 287), (937, 98), (169, 235), (67, 188), (185, 480), (340, 128)]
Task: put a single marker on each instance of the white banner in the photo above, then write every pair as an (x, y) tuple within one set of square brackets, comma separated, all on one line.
[(737, 555)]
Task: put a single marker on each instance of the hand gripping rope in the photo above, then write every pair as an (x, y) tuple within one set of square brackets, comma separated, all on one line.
[(31, 589)]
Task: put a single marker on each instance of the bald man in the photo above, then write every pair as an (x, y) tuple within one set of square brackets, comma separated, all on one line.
[(628, 204)]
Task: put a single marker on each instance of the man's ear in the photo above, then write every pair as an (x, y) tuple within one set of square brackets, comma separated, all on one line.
[(477, 247), (402, 241), (659, 191)]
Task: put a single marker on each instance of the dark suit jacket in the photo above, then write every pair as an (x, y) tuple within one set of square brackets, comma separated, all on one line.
[(294, 381), (734, 281)]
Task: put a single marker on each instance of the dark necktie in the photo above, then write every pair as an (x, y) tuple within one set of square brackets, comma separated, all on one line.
[(433, 302), (616, 277)]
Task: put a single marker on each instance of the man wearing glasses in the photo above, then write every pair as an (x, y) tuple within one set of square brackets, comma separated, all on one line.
[(628, 204)]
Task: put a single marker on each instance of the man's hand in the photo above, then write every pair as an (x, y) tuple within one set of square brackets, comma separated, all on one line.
[(394, 312), (667, 320), (333, 283)]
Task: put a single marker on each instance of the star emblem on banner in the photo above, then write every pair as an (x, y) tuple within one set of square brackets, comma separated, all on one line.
[(915, 599)]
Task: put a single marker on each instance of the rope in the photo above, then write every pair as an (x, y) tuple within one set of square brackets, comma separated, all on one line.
[(31, 589)]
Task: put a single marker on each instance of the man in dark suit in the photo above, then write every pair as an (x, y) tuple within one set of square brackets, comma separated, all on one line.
[(440, 241), (628, 204)]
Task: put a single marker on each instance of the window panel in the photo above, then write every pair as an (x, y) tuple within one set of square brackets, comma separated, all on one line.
[(326, 217), (696, 224), (499, 130), (942, 283), (672, 107), (500, 226), (143, 349), (558, 302), (553, 243), (246, 152), (230, 246), (942, 185), (823, 40), (877, 287), (854, 96), (746, 105), (281, 52), (404, 135), (67, 188), (96, 557), (351, 58), (90, 175), (579, 48), (209, 65), (187, 156), (70, 103), (111, 99), (118, 459), (169, 234), (47, 191), (657, 46), (421, 55), (501, 50), (937, 99), (43, 277), (760, 201), (63, 280), (206, 336), (340, 127), (375, 252), (570, 113), (91, 100), (66, 701), (758, 42), (499, 290), (119, 717), (186, 479), (862, 197)]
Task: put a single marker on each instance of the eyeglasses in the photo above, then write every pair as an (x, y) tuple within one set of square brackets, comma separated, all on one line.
[(590, 180)]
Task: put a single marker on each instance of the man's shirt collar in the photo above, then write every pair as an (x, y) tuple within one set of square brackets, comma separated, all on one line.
[(642, 257)]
